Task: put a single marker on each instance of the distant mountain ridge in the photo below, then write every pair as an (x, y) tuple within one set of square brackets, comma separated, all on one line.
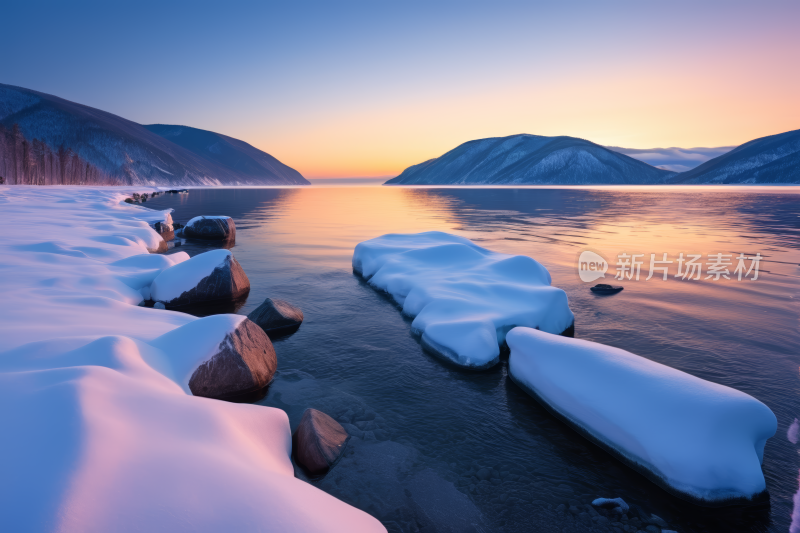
[(531, 160), (48, 140), (674, 159), (769, 160)]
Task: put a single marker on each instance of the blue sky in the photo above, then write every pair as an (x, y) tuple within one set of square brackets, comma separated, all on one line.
[(368, 88)]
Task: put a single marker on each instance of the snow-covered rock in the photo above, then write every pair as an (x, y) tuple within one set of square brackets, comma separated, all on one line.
[(277, 317), (98, 416), (318, 442), (208, 277), (464, 298), (216, 228), (698, 440), (222, 356)]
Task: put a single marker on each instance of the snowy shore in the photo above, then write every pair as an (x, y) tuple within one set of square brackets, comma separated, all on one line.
[(99, 431)]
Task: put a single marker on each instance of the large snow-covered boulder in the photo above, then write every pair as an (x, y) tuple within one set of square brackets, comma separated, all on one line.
[(277, 317), (701, 441), (205, 278), (227, 357), (464, 297), (216, 228), (318, 442)]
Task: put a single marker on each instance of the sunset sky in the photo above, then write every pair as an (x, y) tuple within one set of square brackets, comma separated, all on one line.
[(367, 89)]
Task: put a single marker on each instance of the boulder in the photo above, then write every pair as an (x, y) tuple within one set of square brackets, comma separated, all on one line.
[(318, 442), (277, 317), (243, 365), (214, 228), (209, 277), (165, 230), (161, 248)]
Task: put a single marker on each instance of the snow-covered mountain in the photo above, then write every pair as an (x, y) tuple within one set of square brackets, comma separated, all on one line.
[(48, 140), (530, 160), (773, 159), (674, 159)]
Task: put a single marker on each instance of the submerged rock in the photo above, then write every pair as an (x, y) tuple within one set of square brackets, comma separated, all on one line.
[(277, 317), (215, 228), (604, 288), (318, 442), (243, 365), (209, 277)]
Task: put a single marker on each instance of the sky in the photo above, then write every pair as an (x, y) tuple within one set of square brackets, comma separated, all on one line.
[(350, 89)]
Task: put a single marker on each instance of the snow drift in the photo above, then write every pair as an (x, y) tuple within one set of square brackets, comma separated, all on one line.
[(98, 421), (464, 297), (699, 440)]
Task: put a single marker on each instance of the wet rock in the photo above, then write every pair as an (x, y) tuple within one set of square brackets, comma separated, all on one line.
[(159, 305), (656, 521), (242, 367), (652, 529), (318, 442), (277, 317), (216, 228), (164, 229), (207, 278), (604, 288)]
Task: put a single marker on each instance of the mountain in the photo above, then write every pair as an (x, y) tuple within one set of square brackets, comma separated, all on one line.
[(48, 140), (531, 160), (674, 159), (773, 159), (228, 152)]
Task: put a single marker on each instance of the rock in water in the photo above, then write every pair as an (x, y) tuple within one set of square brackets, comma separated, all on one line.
[(318, 442), (213, 276), (243, 365), (211, 228), (277, 317), (166, 230)]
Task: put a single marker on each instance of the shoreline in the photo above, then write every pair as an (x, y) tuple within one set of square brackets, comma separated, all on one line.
[(104, 437)]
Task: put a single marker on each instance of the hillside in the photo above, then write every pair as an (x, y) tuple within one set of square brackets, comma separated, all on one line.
[(769, 160), (48, 140), (531, 160)]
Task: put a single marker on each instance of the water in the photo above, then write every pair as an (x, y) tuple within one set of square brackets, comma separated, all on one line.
[(437, 448)]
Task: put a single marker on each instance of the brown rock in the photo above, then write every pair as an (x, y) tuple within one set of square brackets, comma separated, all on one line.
[(161, 248), (243, 365), (318, 442), (277, 317), (166, 230)]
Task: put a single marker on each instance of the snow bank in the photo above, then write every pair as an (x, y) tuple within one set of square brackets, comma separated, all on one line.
[(699, 440), (96, 417), (464, 297)]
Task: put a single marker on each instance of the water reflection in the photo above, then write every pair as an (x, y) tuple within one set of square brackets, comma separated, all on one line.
[(476, 435)]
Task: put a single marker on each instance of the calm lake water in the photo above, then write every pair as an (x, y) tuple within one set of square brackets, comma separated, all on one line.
[(436, 448)]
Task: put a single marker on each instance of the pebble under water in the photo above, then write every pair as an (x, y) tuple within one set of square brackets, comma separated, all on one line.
[(436, 448)]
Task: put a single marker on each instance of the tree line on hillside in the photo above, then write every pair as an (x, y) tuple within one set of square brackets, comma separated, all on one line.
[(24, 162)]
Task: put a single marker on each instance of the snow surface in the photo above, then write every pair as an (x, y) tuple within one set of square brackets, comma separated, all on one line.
[(464, 297), (211, 217), (702, 440), (183, 277), (99, 430)]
